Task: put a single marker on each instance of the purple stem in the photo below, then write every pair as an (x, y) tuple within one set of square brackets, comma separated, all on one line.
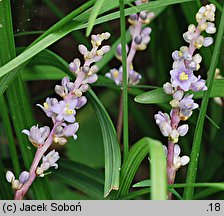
[(39, 154), (171, 171)]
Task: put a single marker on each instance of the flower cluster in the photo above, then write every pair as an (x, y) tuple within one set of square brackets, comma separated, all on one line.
[(62, 112), (17, 183), (182, 80), (140, 39)]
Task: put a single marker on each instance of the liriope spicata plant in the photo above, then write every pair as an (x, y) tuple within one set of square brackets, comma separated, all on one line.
[(182, 81), (63, 115)]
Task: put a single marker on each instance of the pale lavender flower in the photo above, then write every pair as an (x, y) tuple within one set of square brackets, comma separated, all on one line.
[(115, 75), (134, 77), (187, 105), (52, 157), (162, 117), (48, 161), (70, 130), (90, 79), (47, 106), (37, 136), (199, 85), (164, 123), (65, 110), (168, 88), (81, 101), (165, 129), (182, 78), (177, 160)]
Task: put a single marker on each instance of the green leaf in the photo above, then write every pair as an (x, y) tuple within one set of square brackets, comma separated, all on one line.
[(111, 146), (157, 168), (17, 98), (81, 177), (6, 190), (95, 11), (158, 96), (9, 133), (155, 96), (192, 168)]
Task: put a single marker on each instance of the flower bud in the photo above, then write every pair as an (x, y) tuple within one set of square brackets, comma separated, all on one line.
[(10, 176), (82, 49), (138, 39), (208, 41), (24, 176)]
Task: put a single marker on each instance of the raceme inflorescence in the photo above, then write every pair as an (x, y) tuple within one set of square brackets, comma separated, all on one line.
[(140, 38), (182, 81), (62, 113)]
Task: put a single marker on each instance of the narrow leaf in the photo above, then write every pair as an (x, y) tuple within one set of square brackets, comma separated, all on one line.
[(157, 168), (95, 11)]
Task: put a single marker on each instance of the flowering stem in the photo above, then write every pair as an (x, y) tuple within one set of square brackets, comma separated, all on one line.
[(39, 154), (171, 171), (133, 50)]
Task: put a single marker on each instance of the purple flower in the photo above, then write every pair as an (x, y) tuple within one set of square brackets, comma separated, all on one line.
[(70, 130), (199, 85), (177, 160), (161, 117), (47, 106), (164, 123), (115, 75), (183, 78), (81, 101), (37, 136), (187, 105), (134, 77), (65, 110)]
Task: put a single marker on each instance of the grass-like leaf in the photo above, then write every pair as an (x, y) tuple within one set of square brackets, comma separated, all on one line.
[(135, 156), (17, 98), (9, 134), (93, 16), (111, 146)]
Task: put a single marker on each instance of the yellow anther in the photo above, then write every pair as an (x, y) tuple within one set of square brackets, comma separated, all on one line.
[(46, 106), (98, 43), (69, 111), (180, 54), (183, 76), (99, 52), (116, 73), (198, 45)]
